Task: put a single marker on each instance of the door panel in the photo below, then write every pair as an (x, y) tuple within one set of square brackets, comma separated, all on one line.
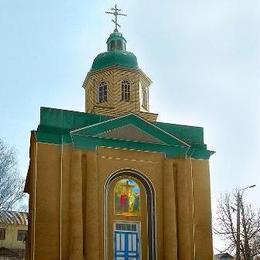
[(126, 245)]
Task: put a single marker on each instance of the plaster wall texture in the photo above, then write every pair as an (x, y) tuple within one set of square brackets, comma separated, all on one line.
[(68, 210)]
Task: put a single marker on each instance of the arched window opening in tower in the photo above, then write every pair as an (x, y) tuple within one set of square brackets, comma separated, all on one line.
[(102, 92), (145, 97), (119, 45), (112, 46), (125, 87)]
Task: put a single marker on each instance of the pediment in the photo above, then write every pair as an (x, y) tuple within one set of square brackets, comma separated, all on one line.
[(131, 128), (130, 132)]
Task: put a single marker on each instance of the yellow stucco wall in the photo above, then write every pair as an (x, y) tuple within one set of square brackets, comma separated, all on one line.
[(69, 207)]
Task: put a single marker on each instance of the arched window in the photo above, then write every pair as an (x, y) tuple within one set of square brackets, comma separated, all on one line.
[(127, 198), (125, 90), (119, 45), (112, 46), (145, 97), (102, 92)]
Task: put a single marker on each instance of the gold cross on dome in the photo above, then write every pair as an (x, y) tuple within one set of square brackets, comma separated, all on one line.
[(115, 12)]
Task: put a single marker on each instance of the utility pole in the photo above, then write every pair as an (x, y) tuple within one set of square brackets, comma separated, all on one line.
[(239, 201), (238, 227)]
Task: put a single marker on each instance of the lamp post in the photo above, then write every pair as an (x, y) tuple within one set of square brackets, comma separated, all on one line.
[(239, 200)]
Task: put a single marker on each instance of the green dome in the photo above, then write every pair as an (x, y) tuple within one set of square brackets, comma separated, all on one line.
[(115, 58), (116, 54)]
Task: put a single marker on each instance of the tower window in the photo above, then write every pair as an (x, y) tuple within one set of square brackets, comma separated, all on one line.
[(125, 88), (102, 92), (112, 45), (119, 45), (145, 97)]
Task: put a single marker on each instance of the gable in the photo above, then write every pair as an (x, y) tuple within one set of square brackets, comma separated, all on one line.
[(57, 121), (141, 129), (129, 132), (88, 131)]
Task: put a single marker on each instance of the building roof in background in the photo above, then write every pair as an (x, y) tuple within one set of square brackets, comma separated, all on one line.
[(12, 253), (13, 217), (223, 256)]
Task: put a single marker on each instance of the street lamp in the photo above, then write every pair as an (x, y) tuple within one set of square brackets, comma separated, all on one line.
[(239, 200)]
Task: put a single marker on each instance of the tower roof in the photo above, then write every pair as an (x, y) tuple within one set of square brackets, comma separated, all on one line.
[(116, 54), (115, 58)]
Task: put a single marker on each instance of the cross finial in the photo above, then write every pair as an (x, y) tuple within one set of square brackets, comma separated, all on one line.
[(115, 12)]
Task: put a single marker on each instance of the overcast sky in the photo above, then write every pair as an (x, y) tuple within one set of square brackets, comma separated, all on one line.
[(203, 57)]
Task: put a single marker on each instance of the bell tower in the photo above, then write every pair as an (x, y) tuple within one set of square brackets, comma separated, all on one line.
[(115, 85)]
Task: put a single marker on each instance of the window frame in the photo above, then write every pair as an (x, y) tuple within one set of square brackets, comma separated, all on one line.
[(21, 235), (136, 208), (145, 97), (2, 233), (125, 90), (119, 45), (112, 45), (102, 92)]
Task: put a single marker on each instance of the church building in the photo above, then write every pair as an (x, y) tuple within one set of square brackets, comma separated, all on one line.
[(113, 182)]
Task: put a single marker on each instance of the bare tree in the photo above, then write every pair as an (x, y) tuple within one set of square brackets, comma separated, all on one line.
[(11, 185), (243, 231)]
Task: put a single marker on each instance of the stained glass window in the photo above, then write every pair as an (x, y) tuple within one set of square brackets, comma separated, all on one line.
[(127, 198)]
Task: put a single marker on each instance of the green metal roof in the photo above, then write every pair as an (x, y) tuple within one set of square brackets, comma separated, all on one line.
[(136, 121), (81, 129), (115, 58), (116, 54)]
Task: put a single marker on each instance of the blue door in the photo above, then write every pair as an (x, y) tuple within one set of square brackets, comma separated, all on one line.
[(126, 245)]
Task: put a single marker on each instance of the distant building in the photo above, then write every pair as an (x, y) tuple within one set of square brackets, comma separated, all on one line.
[(223, 256), (13, 232)]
